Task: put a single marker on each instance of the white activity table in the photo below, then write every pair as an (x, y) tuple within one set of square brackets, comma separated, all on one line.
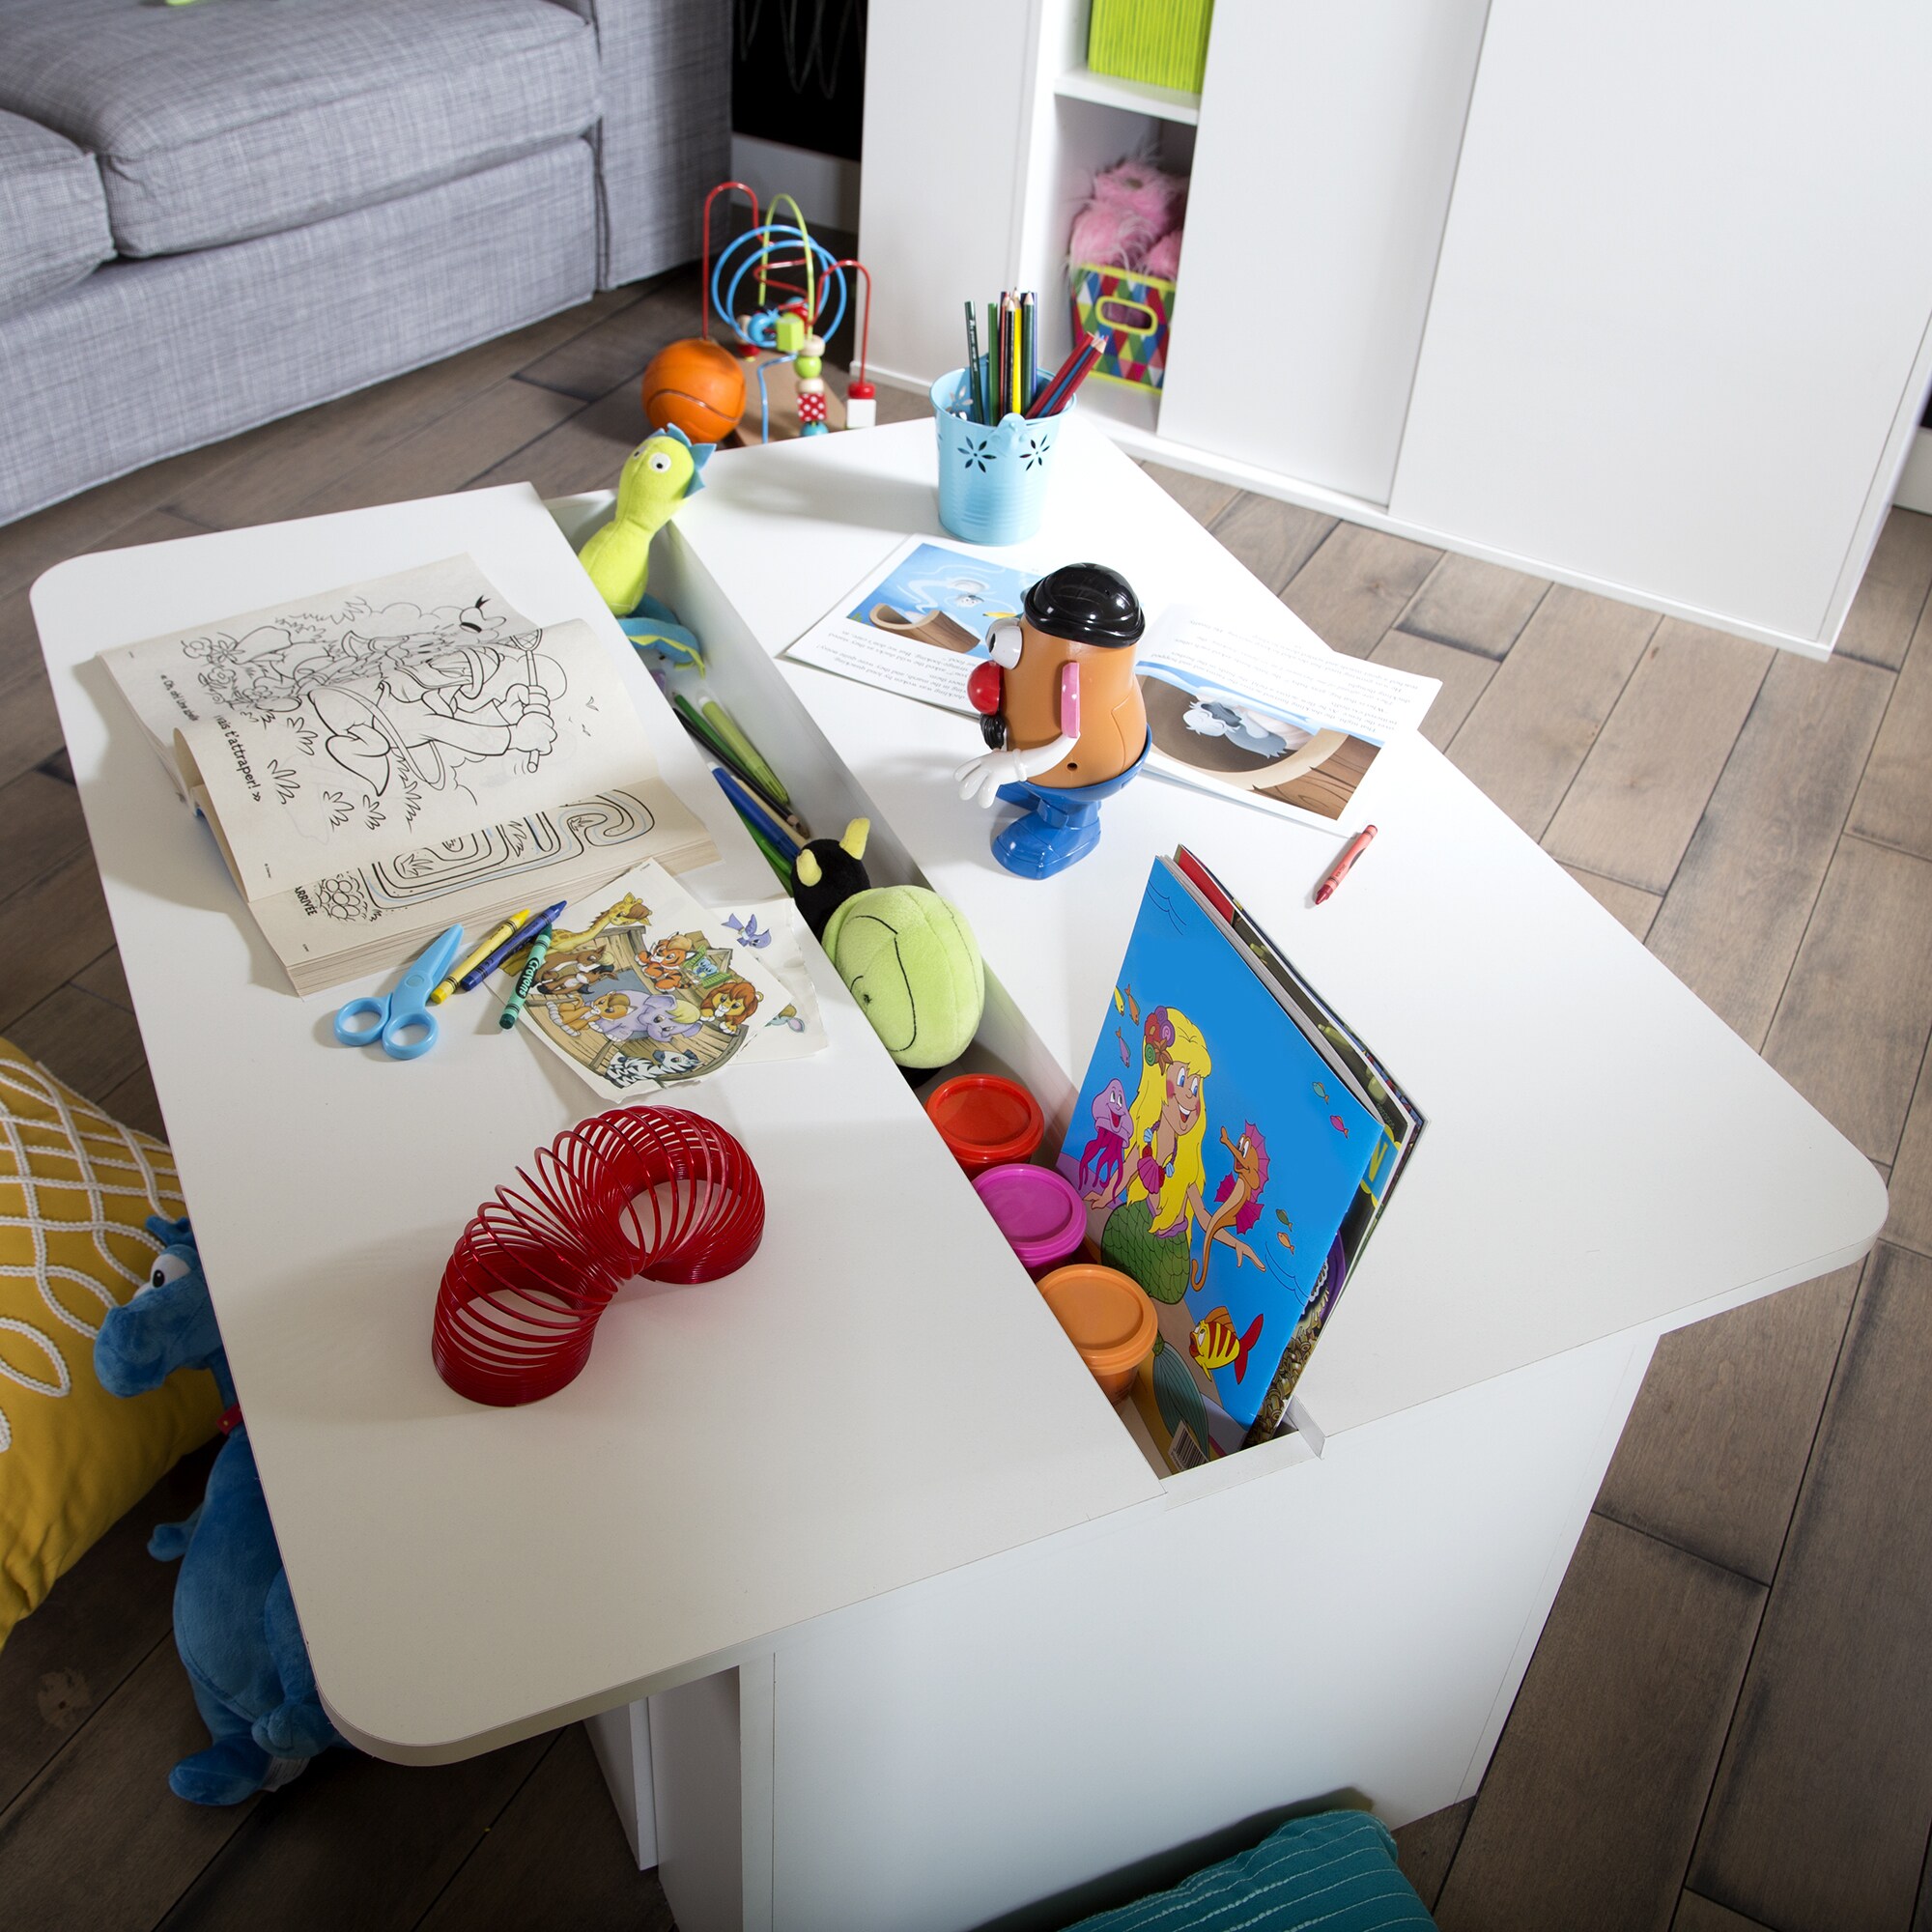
[(875, 1647)]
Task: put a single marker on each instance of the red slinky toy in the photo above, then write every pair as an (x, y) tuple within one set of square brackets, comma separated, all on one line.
[(650, 1191)]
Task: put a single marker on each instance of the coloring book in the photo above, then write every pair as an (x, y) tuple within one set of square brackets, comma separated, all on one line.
[(395, 757), (1220, 1149)]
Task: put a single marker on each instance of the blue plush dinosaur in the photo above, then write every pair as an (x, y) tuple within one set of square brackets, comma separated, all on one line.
[(235, 1621)]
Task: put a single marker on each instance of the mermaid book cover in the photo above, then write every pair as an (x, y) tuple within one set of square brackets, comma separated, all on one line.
[(1219, 1151)]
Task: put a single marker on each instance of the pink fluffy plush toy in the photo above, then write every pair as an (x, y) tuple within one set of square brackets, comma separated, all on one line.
[(1134, 213), (1163, 259)]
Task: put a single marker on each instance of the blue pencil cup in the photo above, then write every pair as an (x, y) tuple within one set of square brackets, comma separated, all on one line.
[(993, 477)]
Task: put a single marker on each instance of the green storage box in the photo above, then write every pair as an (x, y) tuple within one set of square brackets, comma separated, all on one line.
[(1161, 42)]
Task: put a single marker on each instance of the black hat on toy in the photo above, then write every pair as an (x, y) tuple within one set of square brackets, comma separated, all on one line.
[(1088, 603)]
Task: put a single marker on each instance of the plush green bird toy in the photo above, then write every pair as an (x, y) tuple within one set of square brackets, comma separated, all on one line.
[(905, 954), (658, 475)]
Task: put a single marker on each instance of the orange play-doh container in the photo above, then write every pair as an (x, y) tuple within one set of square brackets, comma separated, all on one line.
[(1106, 1317)]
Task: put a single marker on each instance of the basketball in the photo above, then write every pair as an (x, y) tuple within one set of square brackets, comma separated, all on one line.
[(698, 385)]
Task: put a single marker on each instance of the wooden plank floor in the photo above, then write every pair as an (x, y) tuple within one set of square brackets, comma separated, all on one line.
[(1728, 1724)]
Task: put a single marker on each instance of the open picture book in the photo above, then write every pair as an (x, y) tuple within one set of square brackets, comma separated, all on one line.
[(393, 757), (1271, 717)]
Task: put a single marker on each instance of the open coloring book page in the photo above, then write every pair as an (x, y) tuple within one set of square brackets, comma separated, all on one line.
[(382, 716)]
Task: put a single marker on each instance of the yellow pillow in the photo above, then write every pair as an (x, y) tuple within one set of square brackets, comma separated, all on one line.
[(75, 1188)]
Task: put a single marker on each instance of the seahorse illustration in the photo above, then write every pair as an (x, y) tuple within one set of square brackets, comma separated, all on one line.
[(1238, 1200)]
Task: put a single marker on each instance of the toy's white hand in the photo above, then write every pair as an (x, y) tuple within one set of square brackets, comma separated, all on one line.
[(984, 776), (981, 780)]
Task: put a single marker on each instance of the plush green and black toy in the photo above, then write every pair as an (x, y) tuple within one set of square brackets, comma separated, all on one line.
[(905, 954)]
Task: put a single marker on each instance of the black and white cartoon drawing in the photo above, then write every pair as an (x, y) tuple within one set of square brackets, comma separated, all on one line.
[(400, 691)]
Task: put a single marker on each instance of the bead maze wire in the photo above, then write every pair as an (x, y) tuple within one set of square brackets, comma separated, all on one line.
[(787, 317)]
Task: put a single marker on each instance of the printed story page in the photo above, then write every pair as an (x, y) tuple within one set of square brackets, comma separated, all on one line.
[(1283, 727)]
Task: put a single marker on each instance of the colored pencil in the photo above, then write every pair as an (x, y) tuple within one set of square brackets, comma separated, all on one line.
[(700, 733), (1013, 396), (755, 815), (1005, 357), (1029, 323), (750, 756), (974, 401), (1064, 393), (1042, 402), (772, 856)]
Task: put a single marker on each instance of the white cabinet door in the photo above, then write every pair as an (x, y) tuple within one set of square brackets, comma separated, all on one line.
[(946, 110), (1322, 174), (1679, 318)]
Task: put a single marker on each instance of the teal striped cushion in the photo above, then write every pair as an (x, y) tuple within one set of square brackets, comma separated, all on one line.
[(1335, 1872)]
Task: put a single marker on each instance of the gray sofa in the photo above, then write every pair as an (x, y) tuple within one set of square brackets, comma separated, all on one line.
[(214, 214)]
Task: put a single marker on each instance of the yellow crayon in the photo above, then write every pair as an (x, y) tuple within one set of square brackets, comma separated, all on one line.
[(482, 952)]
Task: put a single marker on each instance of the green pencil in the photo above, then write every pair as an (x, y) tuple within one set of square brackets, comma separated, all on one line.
[(728, 729), (774, 858), (701, 729)]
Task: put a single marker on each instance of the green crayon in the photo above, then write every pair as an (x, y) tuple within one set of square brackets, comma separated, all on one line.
[(539, 948)]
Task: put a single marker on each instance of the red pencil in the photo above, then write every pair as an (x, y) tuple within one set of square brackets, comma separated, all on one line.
[(1089, 355), (1042, 403), (1339, 870)]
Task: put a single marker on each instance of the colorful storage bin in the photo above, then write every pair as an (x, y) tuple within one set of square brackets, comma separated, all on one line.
[(1161, 42), (1131, 314)]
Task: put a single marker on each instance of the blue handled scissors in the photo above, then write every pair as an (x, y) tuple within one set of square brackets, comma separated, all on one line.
[(406, 1011)]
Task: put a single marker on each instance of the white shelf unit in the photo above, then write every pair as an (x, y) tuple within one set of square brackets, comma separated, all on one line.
[(1428, 284), (1084, 134), (1137, 96)]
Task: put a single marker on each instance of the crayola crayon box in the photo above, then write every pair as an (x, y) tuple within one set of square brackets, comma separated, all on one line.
[(1222, 1145)]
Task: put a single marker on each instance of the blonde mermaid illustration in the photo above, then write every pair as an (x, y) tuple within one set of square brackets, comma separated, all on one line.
[(1158, 1186)]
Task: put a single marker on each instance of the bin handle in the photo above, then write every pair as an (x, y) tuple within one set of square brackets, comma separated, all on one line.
[(1120, 303)]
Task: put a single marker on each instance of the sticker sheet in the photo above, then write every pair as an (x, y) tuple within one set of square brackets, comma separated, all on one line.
[(643, 987)]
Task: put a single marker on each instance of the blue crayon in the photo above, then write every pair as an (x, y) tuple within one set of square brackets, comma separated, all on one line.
[(521, 937)]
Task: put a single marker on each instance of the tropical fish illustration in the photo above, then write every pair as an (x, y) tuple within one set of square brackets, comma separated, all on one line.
[(1321, 1091), (1133, 1012), (1215, 1345), (1122, 1039), (1340, 1125)]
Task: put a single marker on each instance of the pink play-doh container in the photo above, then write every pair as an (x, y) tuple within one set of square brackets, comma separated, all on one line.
[(1039, 1212)]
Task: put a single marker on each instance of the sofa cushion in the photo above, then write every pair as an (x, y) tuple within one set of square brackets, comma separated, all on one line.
[(52, 214), (214, 123)]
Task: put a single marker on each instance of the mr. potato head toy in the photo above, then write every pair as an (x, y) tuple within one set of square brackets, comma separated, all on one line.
[(1060, 709)]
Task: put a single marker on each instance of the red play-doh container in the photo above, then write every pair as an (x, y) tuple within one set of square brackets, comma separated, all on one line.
[(651, 1191), (985, 1121), (1039, 1212)]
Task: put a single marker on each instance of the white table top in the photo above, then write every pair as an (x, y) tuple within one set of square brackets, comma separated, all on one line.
[(739, 1458), (736, 1457), (1601, 1154)]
